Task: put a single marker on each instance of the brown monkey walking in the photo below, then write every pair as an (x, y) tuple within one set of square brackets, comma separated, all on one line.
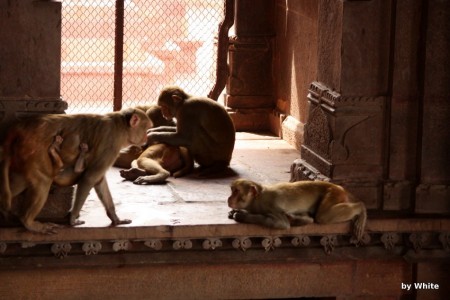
[(203, 127), (295, 203), (28, 166), (158, 161)]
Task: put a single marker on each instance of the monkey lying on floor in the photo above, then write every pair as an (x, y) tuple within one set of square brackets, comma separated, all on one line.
[(156, 162), (295, 203)]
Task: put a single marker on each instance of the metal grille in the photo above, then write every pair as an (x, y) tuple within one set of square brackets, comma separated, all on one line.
[(165, 42)]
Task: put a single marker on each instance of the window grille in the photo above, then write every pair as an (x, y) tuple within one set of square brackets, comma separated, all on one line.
[(164, 43)]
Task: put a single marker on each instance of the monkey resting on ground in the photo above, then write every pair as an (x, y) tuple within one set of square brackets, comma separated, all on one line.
[(295, 203), (158, 161), (203, 127), (28, 165)]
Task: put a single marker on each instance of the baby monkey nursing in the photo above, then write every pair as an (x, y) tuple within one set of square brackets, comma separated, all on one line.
[(295, 203)]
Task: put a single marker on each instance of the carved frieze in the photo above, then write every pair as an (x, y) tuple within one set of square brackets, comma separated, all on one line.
[(417, 241)]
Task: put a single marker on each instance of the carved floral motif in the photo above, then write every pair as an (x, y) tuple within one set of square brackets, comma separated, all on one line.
[(211, 244), (154, 244), (270, 243), (301, 241), (121, 245), (389, 240), (60, 250), (242, 243), (182, 244), (329, 242), (91, 248)]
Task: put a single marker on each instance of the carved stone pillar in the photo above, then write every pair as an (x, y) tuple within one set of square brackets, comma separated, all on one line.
[(30, 62), (345, 131), (336, 146), (433, 192), (249, 91)]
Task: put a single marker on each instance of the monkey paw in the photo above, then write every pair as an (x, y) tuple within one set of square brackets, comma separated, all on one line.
[(120, 222), (237, 215), (44, 228)]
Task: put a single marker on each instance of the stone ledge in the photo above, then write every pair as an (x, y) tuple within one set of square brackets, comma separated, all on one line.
[(408, 234)]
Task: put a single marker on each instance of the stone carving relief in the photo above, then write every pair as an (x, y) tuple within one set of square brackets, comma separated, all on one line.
[(418, 241), (317, 132)]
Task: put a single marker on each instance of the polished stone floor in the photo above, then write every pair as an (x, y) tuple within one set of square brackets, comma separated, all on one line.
[(192, 200)]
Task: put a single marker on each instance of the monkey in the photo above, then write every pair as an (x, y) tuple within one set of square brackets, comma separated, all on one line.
[(27, 166), (158, 161), (55, 148), (295, 203), (203, 127), (128, 154)]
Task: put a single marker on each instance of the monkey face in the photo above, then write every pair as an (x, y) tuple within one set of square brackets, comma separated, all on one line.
[(139, 124), (166, 112), (241, 196)]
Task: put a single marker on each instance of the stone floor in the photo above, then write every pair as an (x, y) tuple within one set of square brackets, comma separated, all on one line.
[(191, 200)]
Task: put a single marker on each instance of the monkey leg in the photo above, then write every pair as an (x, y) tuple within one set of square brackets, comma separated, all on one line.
[(277, 221), (299, 219), (53, 150), (132, 173), (188, 163), (80, 163), (37, 194), (104, 195), (154, 172), (343, 212)]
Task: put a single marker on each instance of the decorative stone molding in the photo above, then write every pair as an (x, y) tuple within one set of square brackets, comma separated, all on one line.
[(395, 242), (365, 240), (154, 244), (242, 243), (390, 239), (61, 250), (182, 244), (121, 245), (92, 247), (301, 241), (329, 242), (211, 244), (270, 243), (419, 240)]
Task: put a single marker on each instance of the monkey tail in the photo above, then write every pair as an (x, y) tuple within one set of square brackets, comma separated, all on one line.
[(5, 189), (360, 222)]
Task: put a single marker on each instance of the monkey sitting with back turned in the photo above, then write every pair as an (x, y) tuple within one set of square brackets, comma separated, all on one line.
[(295, 203)]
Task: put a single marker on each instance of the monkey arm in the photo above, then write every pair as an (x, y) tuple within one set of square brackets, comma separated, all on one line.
[(163, 129), (170, 138)]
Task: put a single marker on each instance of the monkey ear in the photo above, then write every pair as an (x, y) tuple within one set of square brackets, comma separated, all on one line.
[(134, 121), (254, 190)]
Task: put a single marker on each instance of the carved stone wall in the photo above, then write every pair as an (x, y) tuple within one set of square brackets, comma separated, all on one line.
[(378, 107)]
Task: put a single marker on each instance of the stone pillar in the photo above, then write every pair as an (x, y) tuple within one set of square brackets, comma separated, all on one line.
[(378, 113), (345, 130), (30, 62), (433, 192), (249, 91)]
